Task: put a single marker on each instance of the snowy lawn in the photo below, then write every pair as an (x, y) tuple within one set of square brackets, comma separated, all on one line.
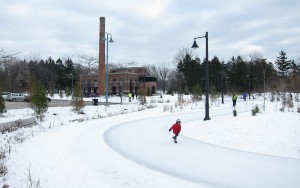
[(71, 150)]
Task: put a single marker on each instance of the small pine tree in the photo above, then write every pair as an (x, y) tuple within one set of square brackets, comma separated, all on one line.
[(52, 92), (234, 112), (142, 97), (68, 92), (77, 100), (213, 93), (253, 112), (61, 94), (283, 65), (38, 100), (2, 104), (196, 93)]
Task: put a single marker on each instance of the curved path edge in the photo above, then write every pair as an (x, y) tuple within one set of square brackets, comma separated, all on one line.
[(148, 143)]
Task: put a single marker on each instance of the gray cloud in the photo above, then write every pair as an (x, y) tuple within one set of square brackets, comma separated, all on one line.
[(151, 32)]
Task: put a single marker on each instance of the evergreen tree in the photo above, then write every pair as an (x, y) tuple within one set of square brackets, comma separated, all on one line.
[(38, 99), (241, 73), (283, 65), (2, 104), (77, 100), (238, 74), (191, 70), (214, 72), (295, 68)]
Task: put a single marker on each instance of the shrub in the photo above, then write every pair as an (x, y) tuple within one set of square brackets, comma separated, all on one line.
[(3, 168)]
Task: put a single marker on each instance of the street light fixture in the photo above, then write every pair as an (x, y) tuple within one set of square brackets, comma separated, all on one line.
[(106, 67), (195, 45)]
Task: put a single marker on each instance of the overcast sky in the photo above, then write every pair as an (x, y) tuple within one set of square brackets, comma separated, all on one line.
[(150, 31)]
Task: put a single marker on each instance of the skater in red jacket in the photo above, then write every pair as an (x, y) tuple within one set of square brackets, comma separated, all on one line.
[(176, 129)]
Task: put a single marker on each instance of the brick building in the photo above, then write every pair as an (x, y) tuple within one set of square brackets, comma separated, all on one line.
[(120, 80)]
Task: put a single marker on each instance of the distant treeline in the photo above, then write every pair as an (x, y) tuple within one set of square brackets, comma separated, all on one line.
[(237, 75)]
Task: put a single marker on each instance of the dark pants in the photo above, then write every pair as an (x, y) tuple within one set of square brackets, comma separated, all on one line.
[(234, 103), (175, 137)]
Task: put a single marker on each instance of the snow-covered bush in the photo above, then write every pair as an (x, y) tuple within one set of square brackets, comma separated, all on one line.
[(234, 112), (3, 168), (253, 112), (166, 108), (160, 100)]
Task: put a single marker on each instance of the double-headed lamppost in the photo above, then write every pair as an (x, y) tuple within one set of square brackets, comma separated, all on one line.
[(106, 67), (195, 45)]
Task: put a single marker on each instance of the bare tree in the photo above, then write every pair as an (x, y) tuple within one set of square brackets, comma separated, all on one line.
[(163, 70), (89, 64), (33, 57), (255, 55), (176, 82), (181, 55), (131, 64), (4, 55), (123, 65), (90, 61)]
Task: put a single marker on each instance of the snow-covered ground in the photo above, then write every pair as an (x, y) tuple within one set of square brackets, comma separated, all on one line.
[(129, 146)]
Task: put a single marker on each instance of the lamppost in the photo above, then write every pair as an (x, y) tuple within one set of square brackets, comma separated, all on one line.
[(106, 67), (72, 83), (195, 45)]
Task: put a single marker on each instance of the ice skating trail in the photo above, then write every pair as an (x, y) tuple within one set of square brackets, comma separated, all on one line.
[(148, 142)]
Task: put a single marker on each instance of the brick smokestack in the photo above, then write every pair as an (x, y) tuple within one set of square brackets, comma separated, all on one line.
[(101, 68)]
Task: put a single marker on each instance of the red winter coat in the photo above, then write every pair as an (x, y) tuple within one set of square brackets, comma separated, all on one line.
[(176, 128)]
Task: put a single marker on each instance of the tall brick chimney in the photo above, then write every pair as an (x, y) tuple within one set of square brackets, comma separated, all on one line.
[(101, 68)]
